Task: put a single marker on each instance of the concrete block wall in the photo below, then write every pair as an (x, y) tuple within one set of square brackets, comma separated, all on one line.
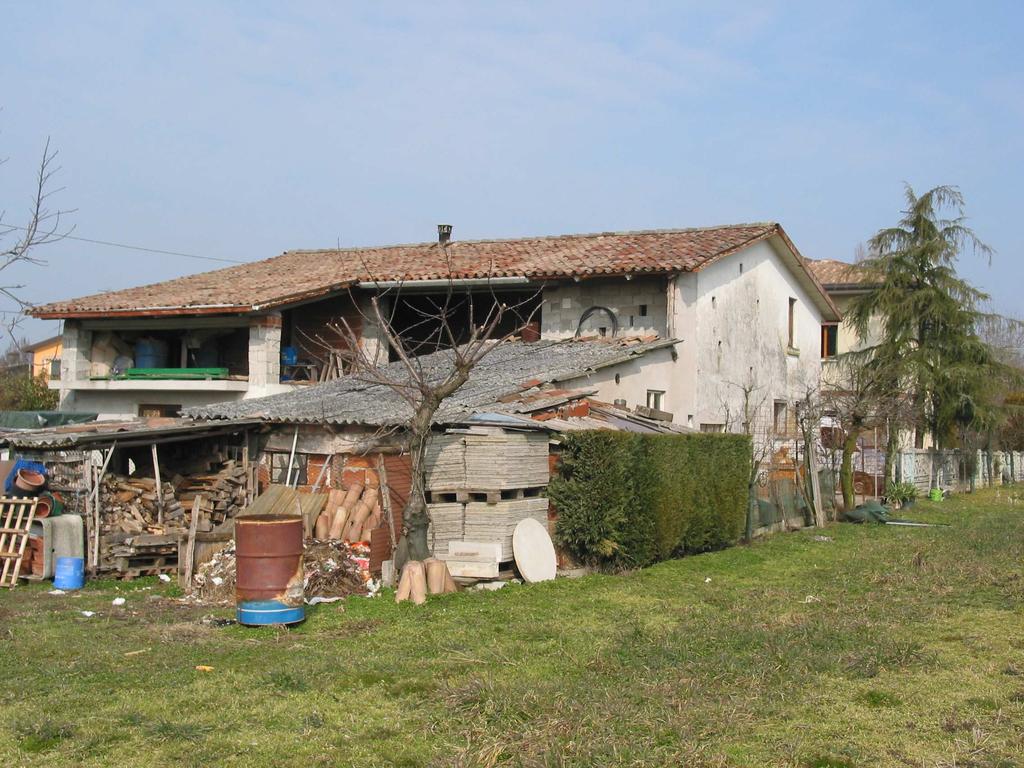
[(918, 465), (75, 360), (1011, 461), (565, 303), (264, 352)]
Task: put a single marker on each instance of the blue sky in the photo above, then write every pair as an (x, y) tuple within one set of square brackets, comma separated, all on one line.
[(239, 130)]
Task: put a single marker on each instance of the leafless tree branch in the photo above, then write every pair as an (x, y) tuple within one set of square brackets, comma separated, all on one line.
[(44, 227)]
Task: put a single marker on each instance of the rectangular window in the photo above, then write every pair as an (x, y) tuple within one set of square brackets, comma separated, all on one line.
[(654, 398), (158, 410), (279, 468), (780, 417), (829, 340), (55, 368), (792, 323), (705, 427)]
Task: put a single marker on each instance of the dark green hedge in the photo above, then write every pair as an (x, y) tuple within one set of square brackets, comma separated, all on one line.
[(626, 500)]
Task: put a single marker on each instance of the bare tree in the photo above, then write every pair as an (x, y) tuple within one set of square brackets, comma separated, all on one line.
[(866, 395), (750, 418), (425, 387), (809, 412), (43, 227)]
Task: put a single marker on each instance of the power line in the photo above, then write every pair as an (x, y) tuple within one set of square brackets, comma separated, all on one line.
[(134, 247)]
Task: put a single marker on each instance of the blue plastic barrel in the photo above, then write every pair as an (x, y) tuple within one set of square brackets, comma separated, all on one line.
[(69, 573), (265, 612), (150, 353), (289, 355)]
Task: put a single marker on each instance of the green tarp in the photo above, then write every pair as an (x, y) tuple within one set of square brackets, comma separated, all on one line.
[(41, 419)]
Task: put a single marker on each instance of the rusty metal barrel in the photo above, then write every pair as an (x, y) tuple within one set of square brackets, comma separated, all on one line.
[(268, 563)]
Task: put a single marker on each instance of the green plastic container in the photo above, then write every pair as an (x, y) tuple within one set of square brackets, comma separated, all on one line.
[(935, 494)]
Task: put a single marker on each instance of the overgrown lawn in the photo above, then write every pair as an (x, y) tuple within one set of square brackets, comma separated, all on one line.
[(882, 646)]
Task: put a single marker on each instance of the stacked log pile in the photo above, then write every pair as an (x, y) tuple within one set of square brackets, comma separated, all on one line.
[(129, 506), (222, 492), (136, 539)]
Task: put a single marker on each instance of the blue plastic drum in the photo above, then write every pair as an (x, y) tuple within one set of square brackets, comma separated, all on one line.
[(264, 612), (69, 573)]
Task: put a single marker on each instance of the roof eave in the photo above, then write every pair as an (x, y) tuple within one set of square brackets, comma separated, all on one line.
[(829, 308), (219, 309)]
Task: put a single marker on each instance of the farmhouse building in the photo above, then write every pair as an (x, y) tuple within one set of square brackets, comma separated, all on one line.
[(738, 302)]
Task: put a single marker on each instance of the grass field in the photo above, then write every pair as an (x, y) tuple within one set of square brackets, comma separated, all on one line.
[(882, 646)]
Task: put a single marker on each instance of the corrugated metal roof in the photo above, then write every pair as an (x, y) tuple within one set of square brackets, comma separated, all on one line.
[(133, 432), (510, 367)]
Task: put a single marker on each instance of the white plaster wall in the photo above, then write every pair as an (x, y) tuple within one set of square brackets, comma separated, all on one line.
[(847, 338), (125, 405), (564, 303), (655, 370), (735, 326)]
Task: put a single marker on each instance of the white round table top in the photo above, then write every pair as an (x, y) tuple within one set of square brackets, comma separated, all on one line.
[(534, 552)]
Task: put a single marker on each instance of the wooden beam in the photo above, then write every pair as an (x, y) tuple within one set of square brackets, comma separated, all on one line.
[(159, 488), (96, 506), (190, 545)]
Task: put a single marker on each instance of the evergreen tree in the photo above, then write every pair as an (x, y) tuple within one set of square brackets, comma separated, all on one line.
[(929, 315)]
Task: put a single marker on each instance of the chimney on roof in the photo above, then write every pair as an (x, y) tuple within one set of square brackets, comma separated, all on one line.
[(444, 233)]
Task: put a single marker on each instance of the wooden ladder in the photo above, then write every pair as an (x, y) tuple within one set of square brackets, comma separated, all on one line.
[(16, 516)]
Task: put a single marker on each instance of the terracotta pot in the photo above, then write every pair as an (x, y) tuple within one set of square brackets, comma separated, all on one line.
[(323, 526), (337, 526), (43, 507), (29, 480), (352, 496)]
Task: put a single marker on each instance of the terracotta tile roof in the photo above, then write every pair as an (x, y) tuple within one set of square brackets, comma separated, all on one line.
[(833, 274), (297, 275)]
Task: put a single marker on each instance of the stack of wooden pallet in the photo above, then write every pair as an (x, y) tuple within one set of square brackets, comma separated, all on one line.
[(142, 555)]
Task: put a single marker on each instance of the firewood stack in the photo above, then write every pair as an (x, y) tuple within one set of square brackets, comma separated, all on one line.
[(129, 505), (222, 492), (134, 541)]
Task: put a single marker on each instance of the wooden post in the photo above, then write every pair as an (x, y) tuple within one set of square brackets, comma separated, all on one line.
[(96, 506), (385, 499), (159, 489), (87, 482), (245, 468), (819, 508), (190, 545)]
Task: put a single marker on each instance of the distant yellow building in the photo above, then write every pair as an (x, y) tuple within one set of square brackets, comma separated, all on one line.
[(46, 357)]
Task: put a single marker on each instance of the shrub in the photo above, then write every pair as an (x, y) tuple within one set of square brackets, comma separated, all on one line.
[(627, 500), (21, 392)]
